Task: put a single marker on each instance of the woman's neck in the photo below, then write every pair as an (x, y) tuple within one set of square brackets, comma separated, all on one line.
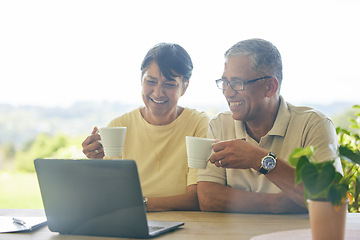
[(163, 119)]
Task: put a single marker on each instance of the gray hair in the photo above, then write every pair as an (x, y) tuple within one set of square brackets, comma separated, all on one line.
[(265, 58)]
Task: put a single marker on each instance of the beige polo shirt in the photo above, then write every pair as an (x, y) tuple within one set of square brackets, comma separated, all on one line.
[(294, 127)]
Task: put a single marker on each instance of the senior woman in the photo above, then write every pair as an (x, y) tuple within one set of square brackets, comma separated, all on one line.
[(155, 136)]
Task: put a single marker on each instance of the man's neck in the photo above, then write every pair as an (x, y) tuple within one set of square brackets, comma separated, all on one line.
[(261, 126)]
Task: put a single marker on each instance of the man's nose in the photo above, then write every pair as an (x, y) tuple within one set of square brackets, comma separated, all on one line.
[(229, 91)]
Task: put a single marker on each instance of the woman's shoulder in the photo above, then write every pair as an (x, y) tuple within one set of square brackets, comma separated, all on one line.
[(126, 118), (190, 113)]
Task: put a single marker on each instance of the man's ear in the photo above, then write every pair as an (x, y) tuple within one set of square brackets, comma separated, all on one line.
[(272, 87), (185, 86)]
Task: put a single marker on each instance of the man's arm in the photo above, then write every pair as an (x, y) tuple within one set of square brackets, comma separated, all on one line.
[(216, 197), (283, 176), (238, 154)]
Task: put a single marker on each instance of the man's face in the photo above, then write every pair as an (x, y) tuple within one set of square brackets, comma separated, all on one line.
[(245, 105)]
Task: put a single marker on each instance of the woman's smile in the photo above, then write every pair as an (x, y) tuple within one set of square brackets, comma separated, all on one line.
[(157, 101)]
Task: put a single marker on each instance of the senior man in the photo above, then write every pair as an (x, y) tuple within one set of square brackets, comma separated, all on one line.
[(249, 171)]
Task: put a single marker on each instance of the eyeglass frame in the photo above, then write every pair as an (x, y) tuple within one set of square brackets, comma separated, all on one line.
[(242, 84)]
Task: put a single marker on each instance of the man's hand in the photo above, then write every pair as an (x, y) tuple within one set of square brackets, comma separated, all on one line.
[(237, 154)]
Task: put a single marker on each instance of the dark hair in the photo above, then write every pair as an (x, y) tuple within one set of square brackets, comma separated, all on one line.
[(264, 56), (171, 59)]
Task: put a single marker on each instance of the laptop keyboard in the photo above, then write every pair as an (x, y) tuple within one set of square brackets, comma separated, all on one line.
[(154, 228)]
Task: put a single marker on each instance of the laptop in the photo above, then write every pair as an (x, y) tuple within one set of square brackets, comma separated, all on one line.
[(96, 198)]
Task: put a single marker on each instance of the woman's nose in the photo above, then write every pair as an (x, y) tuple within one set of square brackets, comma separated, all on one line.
[(158, 90)]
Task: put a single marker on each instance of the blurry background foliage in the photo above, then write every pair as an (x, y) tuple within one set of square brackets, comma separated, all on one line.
[(45, 146), (18, 184), (350, 137)]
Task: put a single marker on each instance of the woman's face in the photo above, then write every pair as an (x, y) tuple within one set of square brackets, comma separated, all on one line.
[(159, 94)]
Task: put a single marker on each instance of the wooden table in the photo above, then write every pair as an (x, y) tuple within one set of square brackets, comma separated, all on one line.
[(198, 225)]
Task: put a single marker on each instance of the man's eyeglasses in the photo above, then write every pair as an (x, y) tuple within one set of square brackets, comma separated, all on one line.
[(236, 85)]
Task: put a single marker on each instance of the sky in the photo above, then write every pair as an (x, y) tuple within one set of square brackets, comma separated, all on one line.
[(54, 53)]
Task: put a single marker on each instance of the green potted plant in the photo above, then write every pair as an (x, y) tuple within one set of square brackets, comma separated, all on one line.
[(325, 189), (321, 181)]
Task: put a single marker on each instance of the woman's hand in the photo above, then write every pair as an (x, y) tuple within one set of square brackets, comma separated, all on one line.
[(92, 148)]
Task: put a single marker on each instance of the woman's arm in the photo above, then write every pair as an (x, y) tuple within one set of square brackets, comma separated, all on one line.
[(185, 202)]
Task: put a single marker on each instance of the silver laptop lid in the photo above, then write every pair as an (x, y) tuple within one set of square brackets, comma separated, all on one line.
[(92, 197)]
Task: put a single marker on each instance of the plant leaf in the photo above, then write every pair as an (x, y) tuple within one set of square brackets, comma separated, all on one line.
[(301, 162), (337, 194), (349, 155), (298, 153), (317, 180)]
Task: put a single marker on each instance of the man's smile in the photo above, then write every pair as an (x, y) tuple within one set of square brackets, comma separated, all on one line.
[(234, 104)]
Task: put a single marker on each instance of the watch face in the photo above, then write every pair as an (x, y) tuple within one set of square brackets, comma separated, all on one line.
[(268, 163)]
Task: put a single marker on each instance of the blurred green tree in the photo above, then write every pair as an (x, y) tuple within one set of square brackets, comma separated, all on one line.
[(46, 146), (351, 139)]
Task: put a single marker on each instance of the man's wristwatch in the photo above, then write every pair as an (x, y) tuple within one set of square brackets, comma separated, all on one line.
[(268, 163)]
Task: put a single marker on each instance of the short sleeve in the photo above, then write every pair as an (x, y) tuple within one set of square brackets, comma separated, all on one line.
[(212, 173), (192, 176)]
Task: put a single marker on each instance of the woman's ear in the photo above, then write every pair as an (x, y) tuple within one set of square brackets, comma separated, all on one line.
[(185, 86), (272, 86), (142, 79)]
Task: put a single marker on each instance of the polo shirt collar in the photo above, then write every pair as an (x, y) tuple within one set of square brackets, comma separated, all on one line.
[(280, 125), (282, 120)]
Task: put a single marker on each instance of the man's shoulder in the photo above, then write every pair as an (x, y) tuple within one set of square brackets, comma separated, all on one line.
[(305, 112), (222, 116)]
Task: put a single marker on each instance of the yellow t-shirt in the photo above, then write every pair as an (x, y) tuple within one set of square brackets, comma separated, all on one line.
[(160, 151)]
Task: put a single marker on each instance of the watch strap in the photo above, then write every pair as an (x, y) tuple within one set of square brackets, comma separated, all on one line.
[(272, 155), (262, 169)]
